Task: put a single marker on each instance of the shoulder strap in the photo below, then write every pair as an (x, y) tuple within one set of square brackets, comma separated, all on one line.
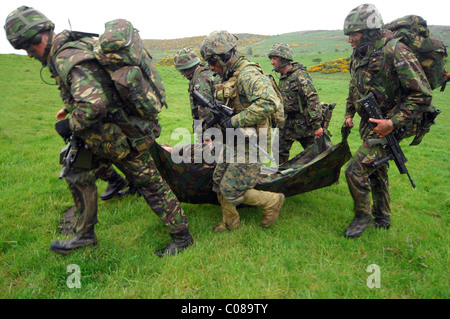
[(241, 67), (148, 74), (83, 54), (383, 71)]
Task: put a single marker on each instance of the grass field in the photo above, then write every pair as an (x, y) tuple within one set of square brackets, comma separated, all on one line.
[(303, 256)]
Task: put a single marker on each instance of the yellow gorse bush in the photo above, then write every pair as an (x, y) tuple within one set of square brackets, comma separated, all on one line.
[(166, 62), (303, 45), (338, 65)]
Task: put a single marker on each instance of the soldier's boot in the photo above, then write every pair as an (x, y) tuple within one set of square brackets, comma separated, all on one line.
[(270, 204), (381, 221), (359, 223), (179, 242), (230, 216), (115, 185), (130, 191), (78, 241)]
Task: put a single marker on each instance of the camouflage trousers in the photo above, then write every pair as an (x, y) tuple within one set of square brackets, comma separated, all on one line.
[(364, 180), (294, 130), (105, 171), (233, 178), (139, 167), (84, 192)]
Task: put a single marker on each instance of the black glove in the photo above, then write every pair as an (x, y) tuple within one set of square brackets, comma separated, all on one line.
[(63, 128), (225, 122)]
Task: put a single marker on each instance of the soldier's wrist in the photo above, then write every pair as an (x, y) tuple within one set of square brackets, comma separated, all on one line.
[(395, 121)]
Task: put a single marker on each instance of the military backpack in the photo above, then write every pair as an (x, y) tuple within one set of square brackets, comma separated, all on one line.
[(121, 52), (412, 30)]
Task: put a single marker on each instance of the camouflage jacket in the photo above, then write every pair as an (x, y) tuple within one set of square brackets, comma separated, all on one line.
[(204, 79), (393, 74), (90, 100), (84, 93), (251, 95), (301, 98)]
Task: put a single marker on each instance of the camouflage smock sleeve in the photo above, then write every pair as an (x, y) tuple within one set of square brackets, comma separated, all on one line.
[(412, 79), (309, 94), (89, 101), (205, 83), (350, 109), (255, 91)]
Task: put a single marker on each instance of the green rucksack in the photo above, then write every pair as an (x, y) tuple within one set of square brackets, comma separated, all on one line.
[(121, 52), (412, 30)]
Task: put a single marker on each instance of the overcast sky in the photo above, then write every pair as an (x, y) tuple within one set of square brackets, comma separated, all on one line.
[(159, 19)]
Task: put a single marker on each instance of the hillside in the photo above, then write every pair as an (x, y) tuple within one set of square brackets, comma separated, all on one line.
[(303, 43), (161, 49)]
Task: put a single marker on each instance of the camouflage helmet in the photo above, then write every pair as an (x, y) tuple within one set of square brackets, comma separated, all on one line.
[(282, 50), (363, 17), (186, 58), (23, 24), (218, 43)]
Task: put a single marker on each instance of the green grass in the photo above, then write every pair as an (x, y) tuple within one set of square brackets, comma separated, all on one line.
[(303, 256)]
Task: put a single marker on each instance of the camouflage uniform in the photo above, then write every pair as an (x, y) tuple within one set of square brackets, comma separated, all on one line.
[(91, 100), (252, 97), (203, 81), (88, 119), (302, 109), (201, 78), (255, 103), (389, 70)]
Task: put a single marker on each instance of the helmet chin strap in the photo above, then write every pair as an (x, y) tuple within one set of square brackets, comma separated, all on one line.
[(278, 68), (47, 48), (225, 65), (369, 37), (189, 73), (285, 63), (44, 57), (362, 49)]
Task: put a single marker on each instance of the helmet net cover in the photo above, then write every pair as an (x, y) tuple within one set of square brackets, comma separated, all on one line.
[(282, 50), (363, 17), (218, 43), (23, 24), (185, 59)]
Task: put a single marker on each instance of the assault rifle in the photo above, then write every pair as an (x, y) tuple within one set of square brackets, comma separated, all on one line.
[(389, 142), (220, 111), (74, 154)]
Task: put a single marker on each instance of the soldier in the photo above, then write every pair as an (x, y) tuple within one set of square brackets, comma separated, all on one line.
[(245, 89), (389, 70), (89, 100), (302, 109), (202, 79)]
